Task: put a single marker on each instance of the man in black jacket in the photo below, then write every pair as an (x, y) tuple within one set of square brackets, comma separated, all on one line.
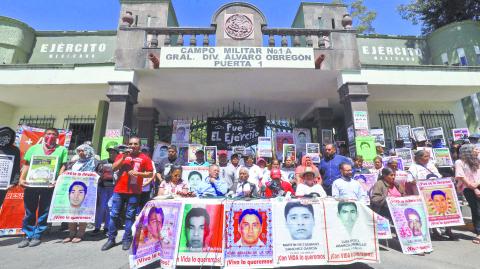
[(9, 153)]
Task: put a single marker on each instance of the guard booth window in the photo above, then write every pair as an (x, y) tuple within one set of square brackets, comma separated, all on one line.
[(38, 121), (82, 130)]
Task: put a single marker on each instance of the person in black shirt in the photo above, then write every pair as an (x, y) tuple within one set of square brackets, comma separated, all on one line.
[(8, 151)]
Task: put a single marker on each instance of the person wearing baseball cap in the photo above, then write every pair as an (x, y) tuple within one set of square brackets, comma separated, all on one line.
[(277, 187), (380, 150), (199, 159), (308, 187)]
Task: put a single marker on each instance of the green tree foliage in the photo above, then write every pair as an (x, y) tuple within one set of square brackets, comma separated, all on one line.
[(433, 14), (362, 16)]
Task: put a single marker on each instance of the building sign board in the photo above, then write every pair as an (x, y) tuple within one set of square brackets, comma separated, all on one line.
[(73, 49), (392, 51), (236, 57)]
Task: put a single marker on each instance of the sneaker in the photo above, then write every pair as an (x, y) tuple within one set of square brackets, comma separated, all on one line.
[(110, 244), (25, 242), (35, 242), (126, 245)]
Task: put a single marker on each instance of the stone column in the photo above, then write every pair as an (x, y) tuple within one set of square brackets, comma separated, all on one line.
[(147, 118), (353, 97), (123, 96)]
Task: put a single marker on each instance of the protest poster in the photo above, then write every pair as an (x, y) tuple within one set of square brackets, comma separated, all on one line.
[(240, 150), (351, 134), (399, 160), (460, 134), (113, 133), (288, 174), (156, 233), (360, 120), (201, 239), (228, 132), (379, 135), (301, 137), (410, 222), (74, 198), (109, 142), (442, 157), (264, 147), (211, 154), (435, 134), (403, 132), (182, 152), (429, 150), (313, 151), (401, 178), (42, 171), (365, 147), (382, 227), (366, 181), (406, 155), (12, 212), (181, 132), (280, 139), (299, 232), (160, 152), (419, 134), (289, 152), (441, 202), (351, 235), (6, 169), (194, 175), (192, 150), (248, 234), (327, 136), (27, 136)]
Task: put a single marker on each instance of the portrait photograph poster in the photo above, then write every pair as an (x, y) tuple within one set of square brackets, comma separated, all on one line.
[(42, 171), (280, 139), (201, 239), (194, 175), (157, 240), (244, 249), (74, 198), (410, 222), (351, 235), (299, 232), (181, 132), (441, 202)]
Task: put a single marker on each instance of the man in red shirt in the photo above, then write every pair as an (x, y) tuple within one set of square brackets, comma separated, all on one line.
[(132, 166), (277, 186)]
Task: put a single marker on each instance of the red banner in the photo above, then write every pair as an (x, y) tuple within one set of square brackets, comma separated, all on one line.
[(12, 212)]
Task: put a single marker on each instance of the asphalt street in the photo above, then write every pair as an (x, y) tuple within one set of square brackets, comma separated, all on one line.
[(53, 254)]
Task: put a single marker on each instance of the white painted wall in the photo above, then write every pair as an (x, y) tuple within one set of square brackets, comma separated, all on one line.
[(6, 113)]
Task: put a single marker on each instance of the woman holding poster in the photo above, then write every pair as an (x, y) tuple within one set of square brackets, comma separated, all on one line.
[(467, 173), (77, 191), (383, 188)]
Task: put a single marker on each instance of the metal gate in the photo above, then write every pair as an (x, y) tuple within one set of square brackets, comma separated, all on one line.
[(389, 120), (443, 119), (81, 127), (38, 121), (198, 124)]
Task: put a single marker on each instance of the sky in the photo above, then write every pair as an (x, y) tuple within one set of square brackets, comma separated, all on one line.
[(90, 15)]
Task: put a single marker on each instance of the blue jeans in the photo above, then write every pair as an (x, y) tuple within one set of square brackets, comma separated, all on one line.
[(102, 214), (33, 199), (118, 200)]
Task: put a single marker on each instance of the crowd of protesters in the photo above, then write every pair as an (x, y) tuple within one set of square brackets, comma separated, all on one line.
[(129, 178)]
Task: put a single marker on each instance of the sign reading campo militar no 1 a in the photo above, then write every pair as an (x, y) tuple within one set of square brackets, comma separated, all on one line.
[(236, 57)]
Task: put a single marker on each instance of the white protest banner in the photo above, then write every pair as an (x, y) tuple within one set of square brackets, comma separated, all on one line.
[(181, 132), (360, 120), (379, 136), (156, 234), (42, 171), (6, 169), (441, 202), (313, 151), (351, 235), (264, 148), (410, 222), (299, 232), (236, 57), (419, 134), (74, 198), (194, 175)]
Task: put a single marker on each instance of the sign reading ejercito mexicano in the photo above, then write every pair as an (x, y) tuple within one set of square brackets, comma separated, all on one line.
[(236, 57)]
